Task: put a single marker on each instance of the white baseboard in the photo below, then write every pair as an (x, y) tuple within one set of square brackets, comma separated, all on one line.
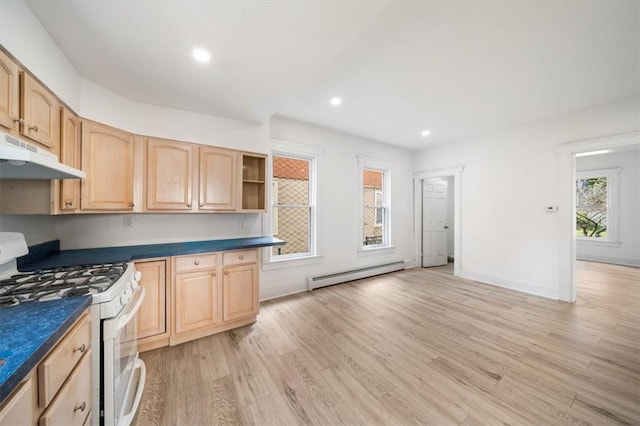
[(610, 259), (522, 286)]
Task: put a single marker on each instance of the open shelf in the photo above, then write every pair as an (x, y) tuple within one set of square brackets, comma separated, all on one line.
[(253, 182)]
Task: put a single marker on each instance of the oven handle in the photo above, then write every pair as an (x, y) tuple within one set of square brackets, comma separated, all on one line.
[(111, 327), (126, 419)]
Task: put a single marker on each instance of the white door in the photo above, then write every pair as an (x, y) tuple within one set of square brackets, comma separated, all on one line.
[(434, 222)]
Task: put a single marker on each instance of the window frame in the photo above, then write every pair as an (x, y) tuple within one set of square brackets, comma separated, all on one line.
[(613, 205), (311, 154), (365, 163)]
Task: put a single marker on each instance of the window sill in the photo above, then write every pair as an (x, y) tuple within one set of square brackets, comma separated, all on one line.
[(371, 251), (291, 262), (598, 243)]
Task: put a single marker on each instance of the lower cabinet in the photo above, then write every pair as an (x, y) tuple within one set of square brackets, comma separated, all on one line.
[(152, 321), (58, 390), (213, 292)]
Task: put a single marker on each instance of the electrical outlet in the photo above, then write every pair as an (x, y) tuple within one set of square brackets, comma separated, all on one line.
[(127, 222), (241, 225)]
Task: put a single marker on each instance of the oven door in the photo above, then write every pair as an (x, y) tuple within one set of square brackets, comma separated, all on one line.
[(120, 359)]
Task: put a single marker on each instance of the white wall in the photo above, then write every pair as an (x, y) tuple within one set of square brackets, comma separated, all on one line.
[(36, 228), (628, 213), (508, 238), (337, 204)]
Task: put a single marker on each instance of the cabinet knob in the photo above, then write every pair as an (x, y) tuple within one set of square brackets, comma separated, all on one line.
[(80, 407), (197, 262), (226, 272), (81, 349), (132, 204), (19, 121), (240, 257), (68, 203), (33, 128), (201, 204), (189, 205), (213, 274)]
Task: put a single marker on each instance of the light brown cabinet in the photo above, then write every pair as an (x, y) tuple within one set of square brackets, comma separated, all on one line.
[(252, 188), (9, 94), (107, 160), (19, 408), (240, 292), (169, 175), (40, 111), (70, 154), (152, 318), (217, 178)]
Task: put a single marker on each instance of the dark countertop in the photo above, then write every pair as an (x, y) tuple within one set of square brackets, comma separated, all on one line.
[(28, 331), (94, 256)]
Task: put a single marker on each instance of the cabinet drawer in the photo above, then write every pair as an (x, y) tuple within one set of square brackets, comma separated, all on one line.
[(240, 256), (53, 371), (19, 408), (72, 405), (196, 262)]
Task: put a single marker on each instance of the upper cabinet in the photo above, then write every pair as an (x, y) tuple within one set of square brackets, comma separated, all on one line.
[(107, 160), (169, 175), (9, 94), (40, 112), (27, 107), (218, 179), (252, 190), (70, 149)]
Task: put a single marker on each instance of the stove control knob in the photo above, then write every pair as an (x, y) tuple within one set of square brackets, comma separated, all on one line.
[(123, 299), (137, 276)]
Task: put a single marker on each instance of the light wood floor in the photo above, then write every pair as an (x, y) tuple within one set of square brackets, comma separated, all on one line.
[(414, 347)]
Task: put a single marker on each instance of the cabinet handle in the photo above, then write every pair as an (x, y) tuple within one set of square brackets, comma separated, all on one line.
[(80, 407), (68, 203), (240, 257), (213, 274), (132, 204), (34, 128), (81, 349), (197, 262), (226, 272), (189, 205), (19, 121), (201, 204)]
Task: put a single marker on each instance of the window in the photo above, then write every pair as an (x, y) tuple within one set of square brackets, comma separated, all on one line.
[(293, 209), (596, 201), (374, 212)]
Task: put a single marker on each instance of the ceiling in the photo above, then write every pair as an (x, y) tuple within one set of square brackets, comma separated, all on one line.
[(458, 68)]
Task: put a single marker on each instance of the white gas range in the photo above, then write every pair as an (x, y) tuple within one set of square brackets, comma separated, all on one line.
[(118, 375)]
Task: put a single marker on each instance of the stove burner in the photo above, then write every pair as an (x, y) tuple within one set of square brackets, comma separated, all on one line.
[(6, 301), (81, 291)]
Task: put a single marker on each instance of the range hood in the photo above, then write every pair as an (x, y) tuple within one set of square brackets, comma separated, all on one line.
[(22, 160)]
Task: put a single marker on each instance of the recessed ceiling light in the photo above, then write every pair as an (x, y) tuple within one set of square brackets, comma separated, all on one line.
[(201, 55), (586, 154), (425, 133), (335, 101)]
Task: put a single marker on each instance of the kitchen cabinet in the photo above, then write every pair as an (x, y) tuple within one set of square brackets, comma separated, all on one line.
[(217, 178), (240, 291), (252, 188), (40, 111), (18, 409), (68, 199), (9, 94), (152, 318), (107, 160), (169, 175), (58, 390)]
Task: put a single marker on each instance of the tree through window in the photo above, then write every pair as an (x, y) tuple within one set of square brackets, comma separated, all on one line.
[(592, 207)]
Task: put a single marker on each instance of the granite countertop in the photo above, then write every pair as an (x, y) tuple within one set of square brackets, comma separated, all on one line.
[(56, 259), (28, 331)]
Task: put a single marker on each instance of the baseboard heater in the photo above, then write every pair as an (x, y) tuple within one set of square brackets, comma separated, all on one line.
[(354, 274)]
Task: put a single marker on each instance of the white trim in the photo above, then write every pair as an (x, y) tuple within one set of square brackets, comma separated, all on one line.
[(288, 148), (597, 242), (611, 259), (373, 250), (522, 286), (291, 262), (567, 199), (374, 163), (418, 177)]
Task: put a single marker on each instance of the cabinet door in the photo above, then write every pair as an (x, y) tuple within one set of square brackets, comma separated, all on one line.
[(107, 160), (152, 316), (41, 113), (70, 140), (196, 300), (217, 179), (18, 409), (9, 93), (240, 292), (169, 184)]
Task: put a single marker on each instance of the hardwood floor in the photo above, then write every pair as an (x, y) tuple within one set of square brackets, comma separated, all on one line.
[(414, 347)]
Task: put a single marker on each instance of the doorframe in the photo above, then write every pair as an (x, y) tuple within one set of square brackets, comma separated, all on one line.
[(418, 177), (567, 202)]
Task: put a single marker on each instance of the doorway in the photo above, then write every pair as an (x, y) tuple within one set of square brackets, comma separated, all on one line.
[(438, 192), (567, 203)]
